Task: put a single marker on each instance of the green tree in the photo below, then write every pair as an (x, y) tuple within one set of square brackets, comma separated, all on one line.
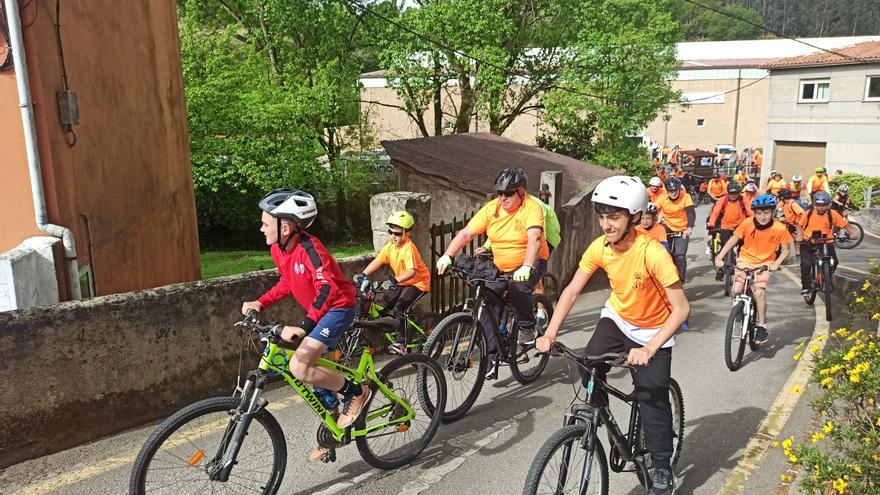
[(730, 26)]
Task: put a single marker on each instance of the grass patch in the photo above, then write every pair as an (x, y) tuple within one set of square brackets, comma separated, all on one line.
[(222, 263)]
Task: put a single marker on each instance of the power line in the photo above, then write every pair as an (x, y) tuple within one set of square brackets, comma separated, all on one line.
[(776, 33)]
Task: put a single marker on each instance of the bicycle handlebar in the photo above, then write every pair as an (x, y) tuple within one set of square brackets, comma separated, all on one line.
[(270, 332), (731, 267), (613, 359)]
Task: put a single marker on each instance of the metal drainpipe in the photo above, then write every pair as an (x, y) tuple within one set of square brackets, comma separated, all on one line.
[(16, 45)]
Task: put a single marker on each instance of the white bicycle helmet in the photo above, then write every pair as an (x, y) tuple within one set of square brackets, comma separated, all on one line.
[(291, 204), (797, 178), (655, 181), (622, 191)]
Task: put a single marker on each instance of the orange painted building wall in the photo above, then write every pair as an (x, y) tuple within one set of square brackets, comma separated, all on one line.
[(125, 188)]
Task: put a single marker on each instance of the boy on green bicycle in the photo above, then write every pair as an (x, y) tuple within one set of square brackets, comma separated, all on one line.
[(646, 308), (310, 274), (411, 279)]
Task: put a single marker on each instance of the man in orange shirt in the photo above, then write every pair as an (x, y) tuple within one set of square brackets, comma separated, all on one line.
[(728, 213), (740, 176), (410, 280), (792, 216), (514, 224), (655, 189), (760, 237), (677, 209), (717, 187), (819, 221), (775, 184), (819, 182), (646, 308)]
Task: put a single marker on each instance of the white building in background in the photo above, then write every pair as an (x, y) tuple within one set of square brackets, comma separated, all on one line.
[(824, 110)]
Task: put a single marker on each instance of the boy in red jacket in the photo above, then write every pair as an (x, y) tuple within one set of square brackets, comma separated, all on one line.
[(311, 275)]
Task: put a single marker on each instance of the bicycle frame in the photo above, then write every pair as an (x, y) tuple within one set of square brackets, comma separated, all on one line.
[(748, 305), (823, 257), (625, 443)]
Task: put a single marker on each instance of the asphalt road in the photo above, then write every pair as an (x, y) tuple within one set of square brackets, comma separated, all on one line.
[(490, 450)]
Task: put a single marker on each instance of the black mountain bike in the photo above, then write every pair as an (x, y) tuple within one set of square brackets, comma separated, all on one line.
[(715, 246), (821, 273), (573, 459), (841, 236), (459, 346)]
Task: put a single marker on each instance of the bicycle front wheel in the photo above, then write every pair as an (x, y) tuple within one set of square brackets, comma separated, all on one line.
[(417, 380), (563, 465), (459, 347), (827, 287), (187, 448), (525, 364), (734, 343), (728, 274), (551, 286)]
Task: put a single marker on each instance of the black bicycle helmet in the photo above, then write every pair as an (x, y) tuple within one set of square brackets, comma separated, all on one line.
[(822, 198), (672, 184), (734, 188), (510, 179), (784, 193)]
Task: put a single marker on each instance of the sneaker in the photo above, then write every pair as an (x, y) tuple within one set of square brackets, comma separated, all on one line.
[(492, 369), (354, 407), (526, 336), (719, 275), (760, 335), (663, 482)]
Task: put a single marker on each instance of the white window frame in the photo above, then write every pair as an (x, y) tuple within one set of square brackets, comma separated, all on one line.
[(804, 82), (868, 85)]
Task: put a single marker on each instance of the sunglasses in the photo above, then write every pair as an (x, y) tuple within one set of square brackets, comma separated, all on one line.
[(396, 233), (507, 194)]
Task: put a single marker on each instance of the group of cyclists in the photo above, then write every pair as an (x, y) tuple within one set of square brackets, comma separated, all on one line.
[(643, 249)]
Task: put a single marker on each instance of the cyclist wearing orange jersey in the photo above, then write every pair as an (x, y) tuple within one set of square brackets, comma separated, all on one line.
[(650, 227), (750, 191), (646, 308), (798, 189), (819, 220), (775, 184), (677, 208), (717, 187), (411, 279), (760, 237), (792, 215), (655, 189), (818, 182), (728, 213), (514, 224), (740, 176)]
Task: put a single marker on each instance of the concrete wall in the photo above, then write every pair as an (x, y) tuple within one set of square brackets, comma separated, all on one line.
[(849, 125), (27, 274), (718, 117), (446, 201), (125, 188), (76, 371)]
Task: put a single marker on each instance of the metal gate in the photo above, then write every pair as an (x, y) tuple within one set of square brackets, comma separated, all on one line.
[(448, 292)]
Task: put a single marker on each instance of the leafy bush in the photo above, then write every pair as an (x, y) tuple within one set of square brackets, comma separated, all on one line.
[(843, 454), (858, 184)]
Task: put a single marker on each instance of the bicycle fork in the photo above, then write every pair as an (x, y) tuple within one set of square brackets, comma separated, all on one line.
[(240, 423)]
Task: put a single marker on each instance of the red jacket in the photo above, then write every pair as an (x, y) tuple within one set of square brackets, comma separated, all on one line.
[(311, 275)]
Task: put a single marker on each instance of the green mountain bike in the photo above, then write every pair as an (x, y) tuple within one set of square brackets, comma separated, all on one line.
[(234, 444)]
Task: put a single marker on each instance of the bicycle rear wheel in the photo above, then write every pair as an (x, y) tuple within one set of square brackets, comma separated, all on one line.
[(525, 365), (563, 465), (851, 243), (551, 287), (465, 373), (417, 380), (186, 448), (734, 344), (827, 288)]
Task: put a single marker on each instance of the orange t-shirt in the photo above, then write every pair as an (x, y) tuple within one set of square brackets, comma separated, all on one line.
[(717, 187), (507, 231), (674, 212), (774, 186), (793, 212), (403, 257), (821, 223), (734, 212), (638, 278), (656, 232), (704, 187), (741, 178), (653, 196), (759, 246)]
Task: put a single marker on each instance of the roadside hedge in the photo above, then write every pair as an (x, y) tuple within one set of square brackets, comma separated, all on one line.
[(858, 184)]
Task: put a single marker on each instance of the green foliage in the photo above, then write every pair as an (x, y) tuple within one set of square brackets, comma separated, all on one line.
[(729, 26), (843, 454), (858, 184)]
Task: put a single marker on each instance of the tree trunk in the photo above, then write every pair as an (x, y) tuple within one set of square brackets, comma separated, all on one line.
[(466, 108)]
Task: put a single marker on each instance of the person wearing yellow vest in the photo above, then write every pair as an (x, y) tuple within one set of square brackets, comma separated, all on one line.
[(775, 184), (818, 182), (411, 279), (514, 224)]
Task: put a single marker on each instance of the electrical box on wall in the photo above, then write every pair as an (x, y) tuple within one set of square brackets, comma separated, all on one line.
[(68, 108)]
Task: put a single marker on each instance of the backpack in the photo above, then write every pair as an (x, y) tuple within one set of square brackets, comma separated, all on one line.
[(827, 213), (551, 223)]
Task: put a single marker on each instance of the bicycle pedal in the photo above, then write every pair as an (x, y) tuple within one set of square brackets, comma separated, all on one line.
[(330, 456)]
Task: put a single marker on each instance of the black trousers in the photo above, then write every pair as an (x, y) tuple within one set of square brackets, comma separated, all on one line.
[(651, 386), (679, 251), (398, 301), (519, 294), (809, 251)]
